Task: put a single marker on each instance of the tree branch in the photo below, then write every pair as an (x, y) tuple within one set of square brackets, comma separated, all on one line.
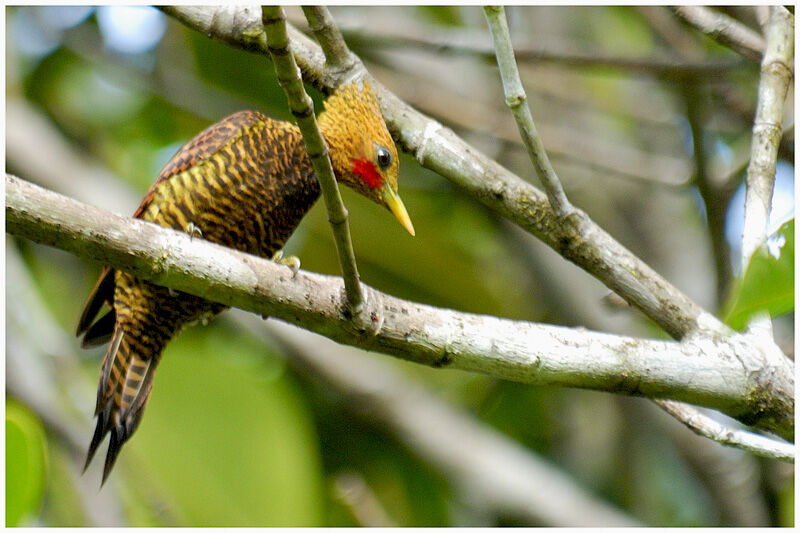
[(737, 375), (517, 103), (705, 426), (731, 476), (724, 29), (302, 109), (777, 70), (337, 55)]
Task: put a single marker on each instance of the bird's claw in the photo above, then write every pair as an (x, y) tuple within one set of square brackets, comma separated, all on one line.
[(193, 230), (291, 261)]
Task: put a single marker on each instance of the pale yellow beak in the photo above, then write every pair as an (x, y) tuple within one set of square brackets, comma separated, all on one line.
[(395, 205)]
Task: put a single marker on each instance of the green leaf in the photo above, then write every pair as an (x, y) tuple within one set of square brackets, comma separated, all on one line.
[(26, 464), (768, 282)]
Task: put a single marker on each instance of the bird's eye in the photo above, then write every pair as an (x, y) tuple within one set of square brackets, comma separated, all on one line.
[(384, 157)]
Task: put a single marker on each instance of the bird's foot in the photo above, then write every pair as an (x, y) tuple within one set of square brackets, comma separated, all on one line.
[(291, 261), (193, 230)]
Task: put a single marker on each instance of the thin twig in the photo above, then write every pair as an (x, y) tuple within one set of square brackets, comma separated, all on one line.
[(732, 476), (564, 143), (731, 100), (302, 108), (733, 371), (337, 55), (517, 101), (777, 70), (580, 241), (707, 427), (624, 164), (608, 156), (717, 191), (725, 30)]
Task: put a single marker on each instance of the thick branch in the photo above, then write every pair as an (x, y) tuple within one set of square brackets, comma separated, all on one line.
[(744, 379), (517, 101), (724, 29), (303, 110), (776, 75)]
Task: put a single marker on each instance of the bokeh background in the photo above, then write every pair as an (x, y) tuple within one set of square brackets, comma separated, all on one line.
[(241, 429)]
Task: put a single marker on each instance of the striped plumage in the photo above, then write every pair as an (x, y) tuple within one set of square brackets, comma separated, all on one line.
[(245, 182)]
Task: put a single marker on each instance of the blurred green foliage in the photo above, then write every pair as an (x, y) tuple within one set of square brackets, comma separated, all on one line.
[(443, 15), (234, 436), (256, 464), (62, 501), (786, 505), (26, 464)]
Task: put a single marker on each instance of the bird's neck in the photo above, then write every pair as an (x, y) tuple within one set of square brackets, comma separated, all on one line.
[(306, 191), (340, 140)]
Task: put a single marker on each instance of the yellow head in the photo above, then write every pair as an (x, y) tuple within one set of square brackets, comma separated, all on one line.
[(362, 152)]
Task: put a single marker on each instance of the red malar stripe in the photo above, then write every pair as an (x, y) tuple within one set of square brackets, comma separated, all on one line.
[(366, 171)]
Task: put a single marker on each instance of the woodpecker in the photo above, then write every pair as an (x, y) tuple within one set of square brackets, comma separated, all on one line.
[(244, 182)]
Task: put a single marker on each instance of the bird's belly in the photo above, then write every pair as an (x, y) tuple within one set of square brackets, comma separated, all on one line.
[(153, 314)]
